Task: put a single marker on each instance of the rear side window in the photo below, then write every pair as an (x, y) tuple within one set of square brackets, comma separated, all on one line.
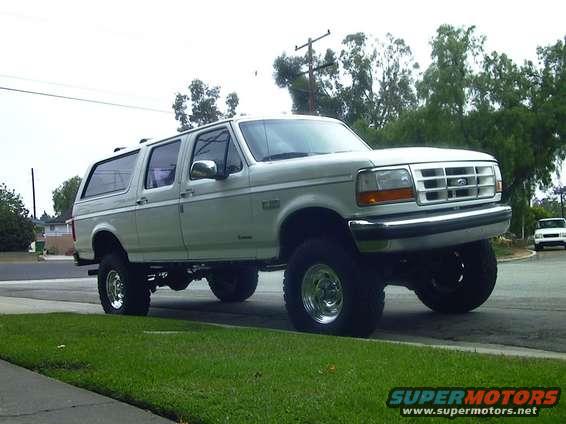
[(162, 165), (111, 175)]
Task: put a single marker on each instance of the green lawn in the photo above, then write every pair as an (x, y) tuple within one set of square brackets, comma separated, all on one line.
[(204, 373)]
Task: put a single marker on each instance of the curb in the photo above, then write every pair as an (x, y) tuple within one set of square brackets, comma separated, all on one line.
[(520, 258), (481, 348), (426, 342)]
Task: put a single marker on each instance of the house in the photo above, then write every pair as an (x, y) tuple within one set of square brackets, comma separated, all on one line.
[(58, 234)]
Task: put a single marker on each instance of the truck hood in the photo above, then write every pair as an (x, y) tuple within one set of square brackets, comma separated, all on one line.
[(348, 163), (411, 155)]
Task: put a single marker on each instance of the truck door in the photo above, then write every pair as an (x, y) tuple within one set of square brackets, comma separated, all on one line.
[(157, 204), (216, 212)]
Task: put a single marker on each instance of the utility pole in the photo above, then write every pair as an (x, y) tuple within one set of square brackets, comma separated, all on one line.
[(33, 191), (311, 71), (560, 191)]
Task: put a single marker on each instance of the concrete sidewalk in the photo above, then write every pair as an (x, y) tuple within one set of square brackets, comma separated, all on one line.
[(30, 398), (22, 305)]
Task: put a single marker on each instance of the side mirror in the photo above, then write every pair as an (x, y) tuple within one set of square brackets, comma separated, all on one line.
[(204, 169)]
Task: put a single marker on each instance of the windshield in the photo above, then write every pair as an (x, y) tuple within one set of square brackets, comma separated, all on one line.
[(552, 223), (277, 139)]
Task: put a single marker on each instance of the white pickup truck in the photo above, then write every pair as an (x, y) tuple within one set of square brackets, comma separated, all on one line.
[(550, 232), (306, 194)]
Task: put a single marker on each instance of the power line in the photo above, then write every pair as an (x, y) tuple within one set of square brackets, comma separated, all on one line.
[(78, 87), (80, 99)]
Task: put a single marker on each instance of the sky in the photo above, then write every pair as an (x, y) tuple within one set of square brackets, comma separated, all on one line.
[(141, 53)]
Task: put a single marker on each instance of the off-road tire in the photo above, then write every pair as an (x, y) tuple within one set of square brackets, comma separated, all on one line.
[(363, 295), (233, 284), (479, 277), (136, 292)]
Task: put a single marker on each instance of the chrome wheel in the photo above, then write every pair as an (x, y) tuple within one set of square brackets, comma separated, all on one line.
[(115, 289), (322, 294)]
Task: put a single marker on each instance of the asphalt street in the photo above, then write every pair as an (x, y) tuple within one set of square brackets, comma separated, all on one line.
[(527, 308)]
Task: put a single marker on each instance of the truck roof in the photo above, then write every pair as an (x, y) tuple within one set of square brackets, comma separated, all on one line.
[(235, 119)]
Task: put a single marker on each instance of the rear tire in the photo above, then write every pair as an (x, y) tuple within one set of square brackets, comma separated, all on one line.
[(233, 284), (327, 291), (465, 280), (121, 289)]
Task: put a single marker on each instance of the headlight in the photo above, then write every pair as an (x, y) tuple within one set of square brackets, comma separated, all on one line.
[(382, 186), (538, 235)]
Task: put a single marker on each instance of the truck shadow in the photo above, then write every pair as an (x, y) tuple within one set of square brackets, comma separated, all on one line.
[(403, 320)]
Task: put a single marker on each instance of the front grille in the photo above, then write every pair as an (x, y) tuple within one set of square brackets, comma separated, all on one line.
[(453, 181), (550, 235)]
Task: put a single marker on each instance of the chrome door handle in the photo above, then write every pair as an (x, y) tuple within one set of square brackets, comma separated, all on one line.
[(187, 193), (142, 201)]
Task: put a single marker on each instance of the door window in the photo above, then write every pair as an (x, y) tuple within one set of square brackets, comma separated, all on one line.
[(217, 146), (162, 165)]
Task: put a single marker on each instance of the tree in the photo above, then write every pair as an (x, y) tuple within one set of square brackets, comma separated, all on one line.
[(202, 100), (64, 195), (371, 81), (551, 201), (486, 102), (232, 102), (16, 228)]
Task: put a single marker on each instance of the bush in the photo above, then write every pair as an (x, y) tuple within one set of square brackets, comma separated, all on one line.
[(16, 228)]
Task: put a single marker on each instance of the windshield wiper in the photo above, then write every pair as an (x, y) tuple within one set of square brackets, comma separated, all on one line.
[(286, 155)]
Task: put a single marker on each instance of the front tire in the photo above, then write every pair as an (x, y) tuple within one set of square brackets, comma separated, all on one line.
[(326, 290), (121, 289), (233, 284), (463, 281)]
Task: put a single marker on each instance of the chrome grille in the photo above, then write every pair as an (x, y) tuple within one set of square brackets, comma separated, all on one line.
[(453, 181)]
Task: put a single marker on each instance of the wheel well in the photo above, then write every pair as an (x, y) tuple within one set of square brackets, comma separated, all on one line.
[(308, 223), (105, 242)]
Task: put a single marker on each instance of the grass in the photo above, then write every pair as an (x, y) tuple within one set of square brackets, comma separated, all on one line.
[(18, 257), (502, 251), (203, 373), (506, 250)]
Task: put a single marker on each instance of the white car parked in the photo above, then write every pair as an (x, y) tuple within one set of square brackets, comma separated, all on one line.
[(550, 232), (302, 193)]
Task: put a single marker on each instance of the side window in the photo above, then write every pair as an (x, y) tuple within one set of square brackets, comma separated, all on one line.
[(162, 165), (111, 175), (212, 146), (233, 161)]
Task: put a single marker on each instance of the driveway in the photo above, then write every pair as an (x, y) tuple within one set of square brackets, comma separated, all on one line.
[(527, 308)]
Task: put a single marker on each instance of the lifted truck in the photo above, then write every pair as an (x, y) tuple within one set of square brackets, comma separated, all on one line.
[(306, 194)]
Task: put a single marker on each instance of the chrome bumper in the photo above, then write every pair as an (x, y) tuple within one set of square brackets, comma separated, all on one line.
[(430, 231)]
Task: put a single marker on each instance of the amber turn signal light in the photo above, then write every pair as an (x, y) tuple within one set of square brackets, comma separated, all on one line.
[(367, 198)]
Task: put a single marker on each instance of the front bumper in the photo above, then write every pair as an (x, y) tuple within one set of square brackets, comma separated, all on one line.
[(554, 241), (429, 231)]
